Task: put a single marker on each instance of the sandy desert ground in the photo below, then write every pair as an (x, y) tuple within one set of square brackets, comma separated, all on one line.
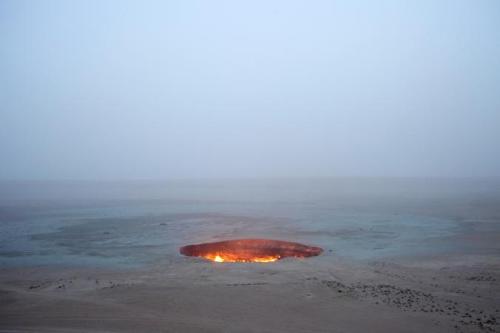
[(445, 294), (435, 265)]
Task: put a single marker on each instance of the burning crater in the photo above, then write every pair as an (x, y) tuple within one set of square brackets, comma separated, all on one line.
[(250, 250)]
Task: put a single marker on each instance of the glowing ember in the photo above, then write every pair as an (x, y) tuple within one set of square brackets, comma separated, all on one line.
[(250, 250)]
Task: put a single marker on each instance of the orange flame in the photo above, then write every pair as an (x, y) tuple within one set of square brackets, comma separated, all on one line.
[(220, 257), (250, 250)]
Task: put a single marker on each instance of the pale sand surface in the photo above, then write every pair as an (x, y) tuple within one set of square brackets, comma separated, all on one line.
[(410, 259), (444, 294)]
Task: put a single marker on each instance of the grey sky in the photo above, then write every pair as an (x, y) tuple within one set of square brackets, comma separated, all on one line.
[(182, 89)]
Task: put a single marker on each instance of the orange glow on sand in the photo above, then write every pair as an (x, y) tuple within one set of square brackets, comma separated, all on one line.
[(250, 250)]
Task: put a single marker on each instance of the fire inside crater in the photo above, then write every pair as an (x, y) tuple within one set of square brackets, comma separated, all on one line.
[(250, 250)]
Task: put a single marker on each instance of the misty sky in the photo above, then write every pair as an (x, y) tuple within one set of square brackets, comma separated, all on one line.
[(209, 89)]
